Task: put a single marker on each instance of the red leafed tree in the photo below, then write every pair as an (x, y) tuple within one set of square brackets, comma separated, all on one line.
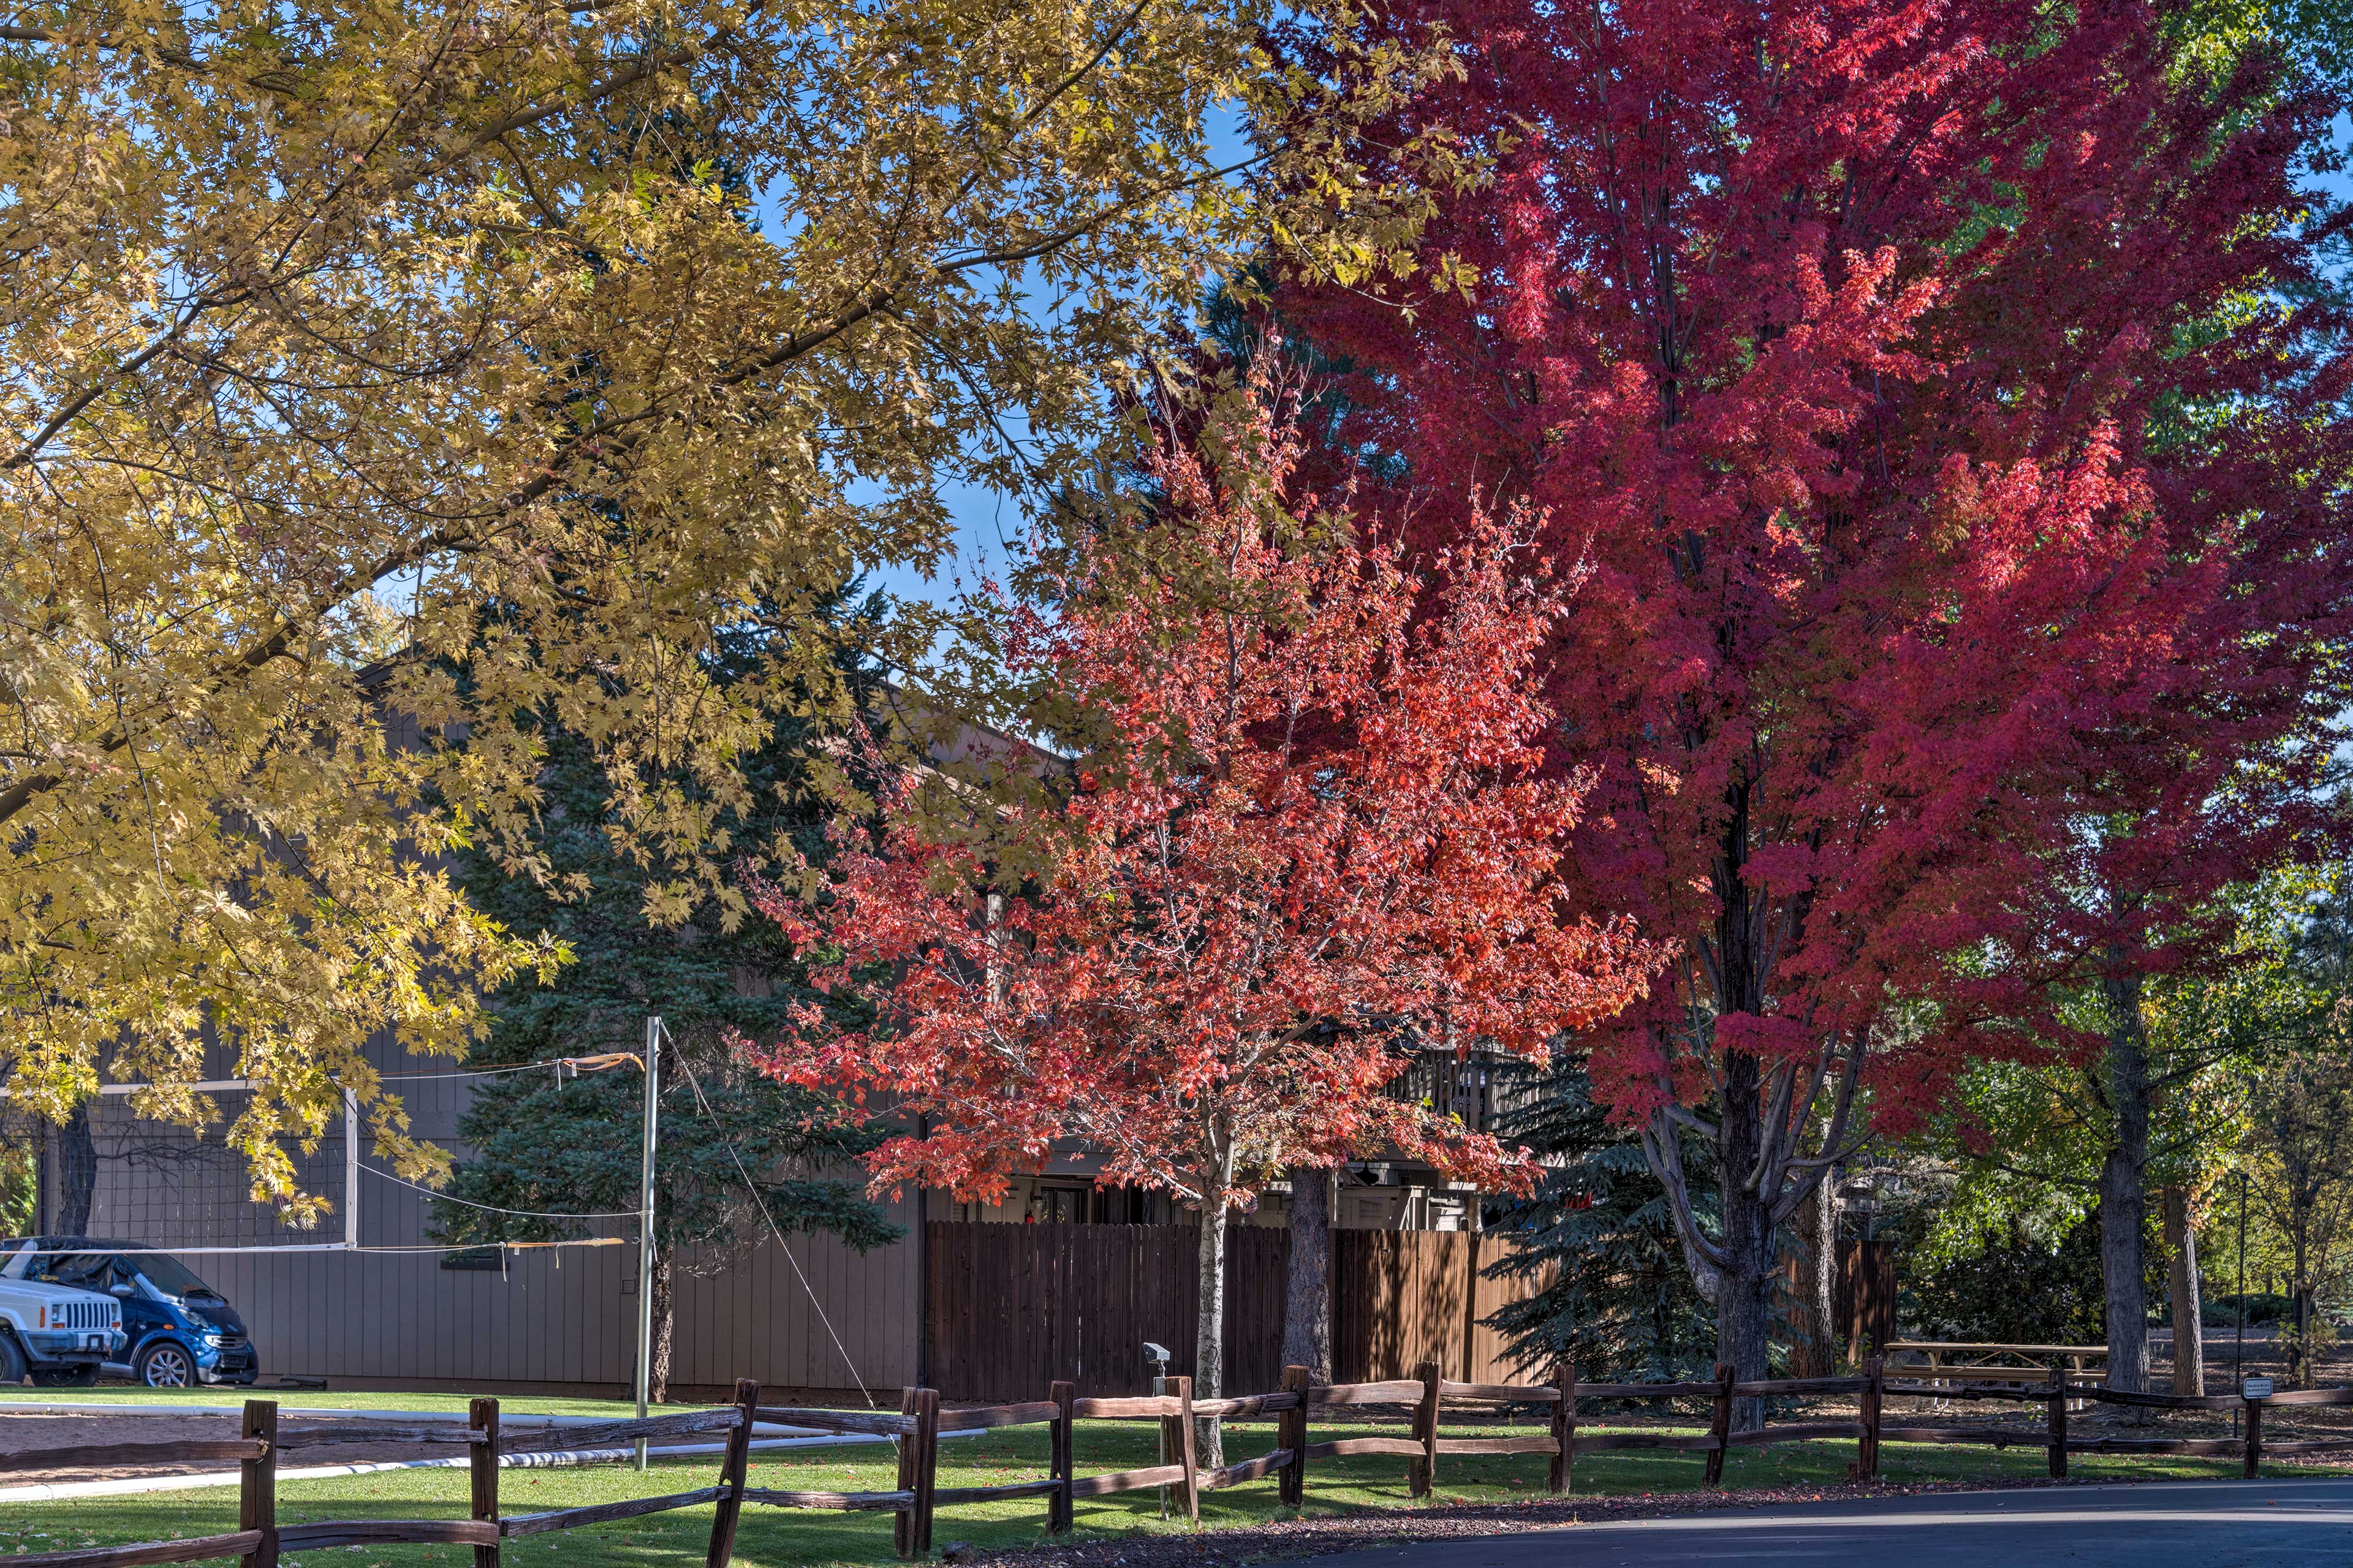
[(1936, 395), (1308, 833)]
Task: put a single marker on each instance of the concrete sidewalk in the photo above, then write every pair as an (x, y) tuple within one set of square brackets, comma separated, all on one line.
[(2156, 1524)]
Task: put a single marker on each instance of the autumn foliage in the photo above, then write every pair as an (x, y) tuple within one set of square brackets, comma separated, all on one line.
[(1943, 402), (1310, 833), (479, 371)]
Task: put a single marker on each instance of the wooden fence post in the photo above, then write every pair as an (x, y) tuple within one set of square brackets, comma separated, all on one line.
[(927, 1472), (483, 1474), (733, 1470), (1423, 1475), (1179, 1433), (1564, 1428), (2254, 1438), (1874, 1403), (1058, 1509), (2058, 1422), (903, 1533), (1291, 1432), (257, 1484), (1720, 1428)]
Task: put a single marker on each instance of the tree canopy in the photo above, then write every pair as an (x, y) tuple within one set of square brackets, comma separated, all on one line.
[(393, 374), (1948, 404), (1302, 837)]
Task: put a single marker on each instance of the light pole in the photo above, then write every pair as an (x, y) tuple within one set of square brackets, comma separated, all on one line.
[(646, 1228)]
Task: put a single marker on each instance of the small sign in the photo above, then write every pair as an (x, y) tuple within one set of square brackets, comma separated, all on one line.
[(2256, 1388)]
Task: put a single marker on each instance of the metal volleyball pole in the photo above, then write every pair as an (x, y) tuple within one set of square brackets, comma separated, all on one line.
[(646, 1228)]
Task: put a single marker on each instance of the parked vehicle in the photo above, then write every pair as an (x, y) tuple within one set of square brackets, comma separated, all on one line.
[(175, 1331), (57, 1332)]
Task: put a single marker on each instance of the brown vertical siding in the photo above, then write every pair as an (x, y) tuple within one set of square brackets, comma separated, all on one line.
[(749, 1315), (570, 1323), (554, 1320), (1010, 1306)]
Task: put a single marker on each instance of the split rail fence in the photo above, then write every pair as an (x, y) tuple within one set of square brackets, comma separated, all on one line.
[(2059, 1392), (916, 1428)]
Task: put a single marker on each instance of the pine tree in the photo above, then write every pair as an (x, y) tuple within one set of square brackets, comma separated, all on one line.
[(547, 1143), (1621, 1305)]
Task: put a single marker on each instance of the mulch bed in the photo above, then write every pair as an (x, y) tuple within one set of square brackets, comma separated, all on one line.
[(1315, 1537)]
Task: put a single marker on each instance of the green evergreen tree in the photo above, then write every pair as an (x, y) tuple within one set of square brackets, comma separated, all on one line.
[(562, 1143), (1621, 1303)]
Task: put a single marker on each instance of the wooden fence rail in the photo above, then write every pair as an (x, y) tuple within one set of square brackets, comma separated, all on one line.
[(916, 1426)]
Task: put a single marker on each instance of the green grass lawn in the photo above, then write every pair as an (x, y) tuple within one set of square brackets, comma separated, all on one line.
[(773, 1537)]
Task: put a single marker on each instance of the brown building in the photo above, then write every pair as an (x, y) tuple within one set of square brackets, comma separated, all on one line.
[(369, 1301)]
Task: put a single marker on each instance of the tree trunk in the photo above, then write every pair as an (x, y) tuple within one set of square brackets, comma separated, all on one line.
[(2189, 1309), (1743, 1305), (2307, 1363), (659, 1380), (1307, 1292), (2124, 1193), (2298, 1242), (1811, 1314), (77, 1175), (1746, 1195), (1209, 1324)]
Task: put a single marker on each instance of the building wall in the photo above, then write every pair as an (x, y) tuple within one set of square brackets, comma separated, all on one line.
[(565, 1319), (552, 1320)]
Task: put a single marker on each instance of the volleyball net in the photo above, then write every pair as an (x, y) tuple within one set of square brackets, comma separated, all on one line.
[(188, 1190)]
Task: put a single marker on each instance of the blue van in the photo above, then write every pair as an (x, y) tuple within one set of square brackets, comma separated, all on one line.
[(178, 1330)]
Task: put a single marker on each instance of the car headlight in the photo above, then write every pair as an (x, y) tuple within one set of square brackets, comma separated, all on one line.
[(212, 1336)]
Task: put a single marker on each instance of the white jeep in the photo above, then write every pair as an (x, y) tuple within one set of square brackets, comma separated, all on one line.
[(56, 1332)]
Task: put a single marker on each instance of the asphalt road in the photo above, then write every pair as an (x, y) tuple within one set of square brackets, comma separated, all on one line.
[(2157, 1524)]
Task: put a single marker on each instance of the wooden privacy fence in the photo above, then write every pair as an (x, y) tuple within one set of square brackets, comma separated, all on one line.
[(1401, 1298), (1003, 1300), (1863, 1296), (1006, 1299)]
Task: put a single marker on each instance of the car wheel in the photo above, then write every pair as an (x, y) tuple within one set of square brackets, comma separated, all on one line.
[(65, 1377), (12, 1361), (166, 1364)]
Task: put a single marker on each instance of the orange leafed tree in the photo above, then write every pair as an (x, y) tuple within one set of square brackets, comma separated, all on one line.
[(1306, 835)]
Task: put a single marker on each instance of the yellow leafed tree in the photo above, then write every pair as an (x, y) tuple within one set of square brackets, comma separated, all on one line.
[(397, 375)]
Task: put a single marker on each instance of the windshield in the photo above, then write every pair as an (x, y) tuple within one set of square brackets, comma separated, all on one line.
[(168, 1275), (99, 1270), (82, 1271)]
